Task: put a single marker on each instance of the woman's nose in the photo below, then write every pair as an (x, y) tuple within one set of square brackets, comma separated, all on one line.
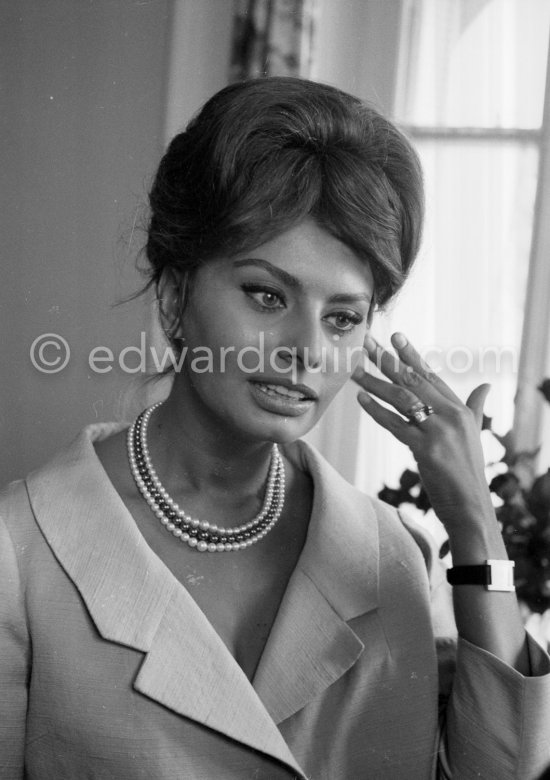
[(305, 343)]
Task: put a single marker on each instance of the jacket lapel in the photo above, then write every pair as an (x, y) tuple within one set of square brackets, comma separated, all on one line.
[(189, 670), (135, 600), (310, 635)]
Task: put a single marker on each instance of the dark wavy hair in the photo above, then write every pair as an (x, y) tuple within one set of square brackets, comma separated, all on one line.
[(261, 156)]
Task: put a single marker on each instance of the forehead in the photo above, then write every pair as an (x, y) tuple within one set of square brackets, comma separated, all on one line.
[(311, 255)]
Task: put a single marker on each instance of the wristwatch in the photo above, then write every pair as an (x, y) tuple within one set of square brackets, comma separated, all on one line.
[(493, 575)]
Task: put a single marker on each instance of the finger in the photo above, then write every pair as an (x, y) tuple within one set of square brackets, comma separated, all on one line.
[(410, 357), (405, 375), (387, 419), (476, 401), (395, 394), (385, 361)]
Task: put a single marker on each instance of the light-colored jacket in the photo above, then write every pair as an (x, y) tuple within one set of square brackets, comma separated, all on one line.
[(108, 669)]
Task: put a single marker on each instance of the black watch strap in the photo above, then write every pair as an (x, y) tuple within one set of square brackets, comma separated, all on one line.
[(468, 575), (493, 575)]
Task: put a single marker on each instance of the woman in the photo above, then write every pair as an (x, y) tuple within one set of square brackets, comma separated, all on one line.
[(200, 595)]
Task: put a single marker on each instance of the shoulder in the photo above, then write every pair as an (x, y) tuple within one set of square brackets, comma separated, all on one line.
[(368, 547), (340, 509), (73, 471), (391, 521)]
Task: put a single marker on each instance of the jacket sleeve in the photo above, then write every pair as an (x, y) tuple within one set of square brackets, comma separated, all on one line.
[(495, 722), (14, 661)]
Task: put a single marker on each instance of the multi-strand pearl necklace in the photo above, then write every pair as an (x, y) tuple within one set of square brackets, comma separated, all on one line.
[(202, 535)]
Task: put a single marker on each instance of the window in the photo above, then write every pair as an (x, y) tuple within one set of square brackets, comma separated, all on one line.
[(470, 94)]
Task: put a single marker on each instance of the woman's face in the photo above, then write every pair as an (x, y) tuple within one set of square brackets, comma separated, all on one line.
[(272, 334)]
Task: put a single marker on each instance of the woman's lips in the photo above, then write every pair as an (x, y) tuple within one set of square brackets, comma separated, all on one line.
[(291, 401)]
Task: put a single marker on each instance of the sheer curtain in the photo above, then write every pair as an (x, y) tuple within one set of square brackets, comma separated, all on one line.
[(532, 414), (470, 94)]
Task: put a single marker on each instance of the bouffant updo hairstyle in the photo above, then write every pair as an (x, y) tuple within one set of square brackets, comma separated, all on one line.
[(264, 154)]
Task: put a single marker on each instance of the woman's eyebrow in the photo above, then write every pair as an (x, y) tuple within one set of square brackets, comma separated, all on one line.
[(283, 276), (351, 298), (292, 281)]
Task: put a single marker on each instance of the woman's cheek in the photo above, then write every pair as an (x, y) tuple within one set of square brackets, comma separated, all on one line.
[(252, 354)]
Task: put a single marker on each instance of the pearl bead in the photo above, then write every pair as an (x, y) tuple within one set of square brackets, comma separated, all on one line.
[(167, 510)]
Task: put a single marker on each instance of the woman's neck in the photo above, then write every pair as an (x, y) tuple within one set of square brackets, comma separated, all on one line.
[(187, 453)]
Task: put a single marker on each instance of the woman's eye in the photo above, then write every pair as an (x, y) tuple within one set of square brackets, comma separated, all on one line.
[(266, 299), (344, 321)]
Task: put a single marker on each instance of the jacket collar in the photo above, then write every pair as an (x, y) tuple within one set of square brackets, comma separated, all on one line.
[(335, 580), (135, 600)]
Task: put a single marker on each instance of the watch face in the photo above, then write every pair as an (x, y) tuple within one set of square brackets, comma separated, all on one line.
[(501, 575)]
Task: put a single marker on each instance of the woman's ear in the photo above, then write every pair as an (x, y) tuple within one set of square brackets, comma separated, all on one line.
[(172, 290)]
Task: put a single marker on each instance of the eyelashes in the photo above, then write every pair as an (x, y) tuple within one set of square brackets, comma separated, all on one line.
[(345, 322), (270, 300), (265, 297)]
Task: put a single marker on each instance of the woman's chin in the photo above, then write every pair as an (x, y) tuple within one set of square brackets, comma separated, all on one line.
[(285, 430)]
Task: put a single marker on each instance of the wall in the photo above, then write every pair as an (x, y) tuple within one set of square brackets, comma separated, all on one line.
[(82, 129), (200, 48)]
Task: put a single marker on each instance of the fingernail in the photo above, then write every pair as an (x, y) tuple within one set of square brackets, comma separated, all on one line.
[(399, 340), (364, 397)]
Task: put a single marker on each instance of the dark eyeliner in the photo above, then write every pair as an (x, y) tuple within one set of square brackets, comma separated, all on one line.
[(259, 287)]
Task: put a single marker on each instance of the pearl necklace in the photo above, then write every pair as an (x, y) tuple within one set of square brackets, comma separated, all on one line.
[(202, 535)]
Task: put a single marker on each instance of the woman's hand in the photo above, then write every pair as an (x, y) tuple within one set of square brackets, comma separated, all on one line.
[(447, 448), (446, 444)]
